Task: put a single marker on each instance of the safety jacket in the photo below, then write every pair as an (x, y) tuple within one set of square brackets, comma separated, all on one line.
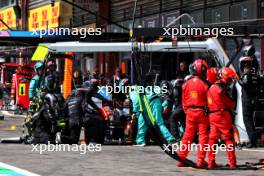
[(194, 93), (34, 83), (219, 99)]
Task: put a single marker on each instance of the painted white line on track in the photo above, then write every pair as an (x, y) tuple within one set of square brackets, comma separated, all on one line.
[(8, 114), (253, 150), (18, 170)]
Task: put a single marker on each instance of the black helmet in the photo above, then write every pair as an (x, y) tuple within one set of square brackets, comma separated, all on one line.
[(177, 83), (167, 85), (50, 83), (92, 84), (249, 50)]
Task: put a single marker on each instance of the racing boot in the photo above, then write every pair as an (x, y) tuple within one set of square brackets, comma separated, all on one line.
[(58, 138), (140, 145), (201, 163), (231, 154), (212, 164), (232, 161), (211, 153), (180, 164), (232, 166)]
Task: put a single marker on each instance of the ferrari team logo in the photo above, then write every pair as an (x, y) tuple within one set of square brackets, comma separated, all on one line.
[(210, 101), (194, 94), (22, 89)]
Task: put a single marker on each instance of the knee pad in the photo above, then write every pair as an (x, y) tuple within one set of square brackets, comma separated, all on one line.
[(74, 120)]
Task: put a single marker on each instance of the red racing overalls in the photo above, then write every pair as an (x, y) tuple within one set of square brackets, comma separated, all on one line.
[(194, 103), (219, 104)]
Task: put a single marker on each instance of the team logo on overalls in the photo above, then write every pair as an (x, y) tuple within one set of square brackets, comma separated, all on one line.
[(210, 101), (194, 94), (22, 89)]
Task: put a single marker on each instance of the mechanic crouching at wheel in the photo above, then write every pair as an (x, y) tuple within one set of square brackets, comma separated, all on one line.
[(44, 122), (83, 112), (220, 103)]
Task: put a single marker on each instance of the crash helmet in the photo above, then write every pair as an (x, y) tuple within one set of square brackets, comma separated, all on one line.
[(50, 83), (199, 67), (245, 61), (51, 62), (124, 82), (37, 66), (92, 84), (212, 75), (177, 87), (177, 83), (148, 80), (227, 75), (249, 50), (166, 85)]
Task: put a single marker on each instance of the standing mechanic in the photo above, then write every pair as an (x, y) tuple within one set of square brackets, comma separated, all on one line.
[(194, 102), (52, 70), (177, 117), (220, 104), (34, 94), (182, 72), (34, 83), (249, 82), (156, 108)]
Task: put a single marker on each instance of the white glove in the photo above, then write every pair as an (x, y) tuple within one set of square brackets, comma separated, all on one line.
[(12, 102)]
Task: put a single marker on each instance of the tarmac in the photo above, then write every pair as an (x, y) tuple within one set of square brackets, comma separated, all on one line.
[(110, 160)]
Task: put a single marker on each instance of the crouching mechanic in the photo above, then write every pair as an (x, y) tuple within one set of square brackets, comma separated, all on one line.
[(220, 104), (80, 108), (194, 102)]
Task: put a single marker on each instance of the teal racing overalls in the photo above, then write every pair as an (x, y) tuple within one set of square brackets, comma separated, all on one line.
[(156, 108)]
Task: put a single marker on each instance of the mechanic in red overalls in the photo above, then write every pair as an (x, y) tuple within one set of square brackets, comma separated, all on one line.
[(194, 103), (220, 104)]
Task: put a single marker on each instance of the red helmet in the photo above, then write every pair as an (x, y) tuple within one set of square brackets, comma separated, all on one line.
[(199, 67), (212, 75), (227, 75)]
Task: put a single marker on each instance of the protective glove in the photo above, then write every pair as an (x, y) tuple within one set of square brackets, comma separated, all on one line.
[(103, 113), (166, 112), (12, 102), (32, 106), (133, 117)]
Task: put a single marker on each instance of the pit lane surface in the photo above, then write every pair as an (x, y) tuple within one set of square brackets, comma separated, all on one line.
[(111, 161)]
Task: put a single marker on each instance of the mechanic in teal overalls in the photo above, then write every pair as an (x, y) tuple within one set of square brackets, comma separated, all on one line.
[(156, 108), (34, 83)]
